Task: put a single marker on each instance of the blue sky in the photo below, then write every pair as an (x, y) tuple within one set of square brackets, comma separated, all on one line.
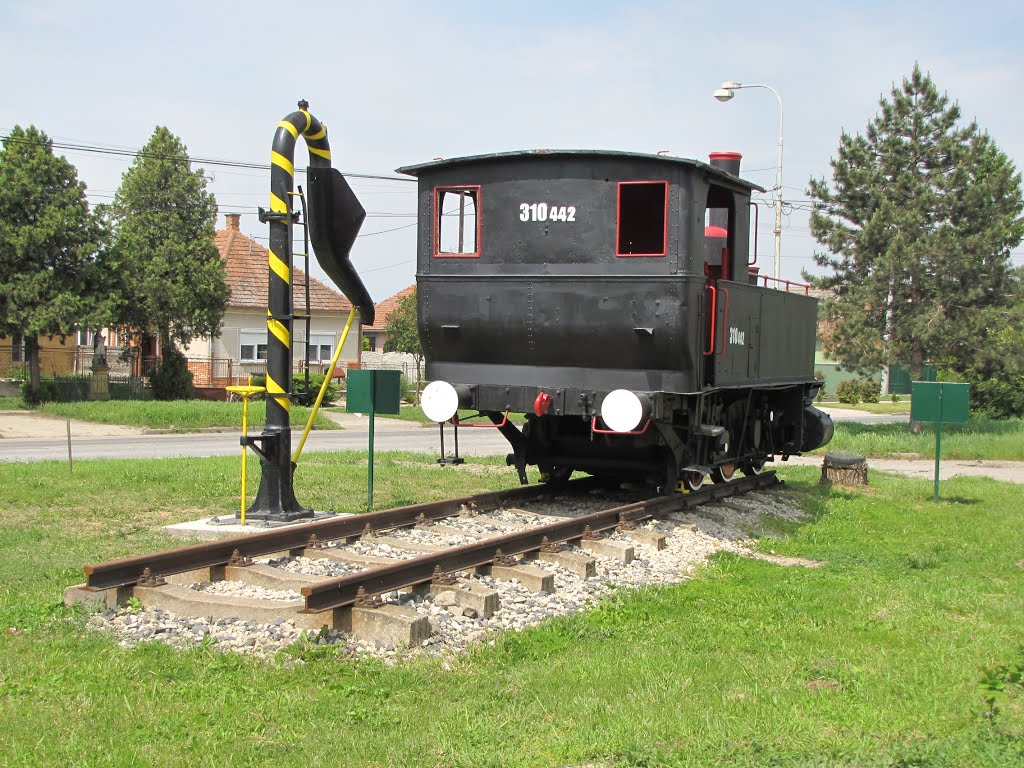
[(403, 82)]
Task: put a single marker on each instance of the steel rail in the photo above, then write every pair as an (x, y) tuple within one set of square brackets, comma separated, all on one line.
[(343, 591), (129, 570)]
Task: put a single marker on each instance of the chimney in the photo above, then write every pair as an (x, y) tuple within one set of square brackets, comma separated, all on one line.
[(726, 161), (232, 220)]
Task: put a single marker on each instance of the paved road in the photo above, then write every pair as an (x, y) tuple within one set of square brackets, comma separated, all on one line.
[(390, 435), (475, 443)]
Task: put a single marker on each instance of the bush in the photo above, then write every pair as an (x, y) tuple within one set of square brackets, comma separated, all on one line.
[(408, 388), (45, 393), (870, 390), (171, 379), (998, 399), (316, 381), (848, 391)]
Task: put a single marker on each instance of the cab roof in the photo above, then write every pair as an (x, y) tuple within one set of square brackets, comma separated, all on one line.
[(578, 154)]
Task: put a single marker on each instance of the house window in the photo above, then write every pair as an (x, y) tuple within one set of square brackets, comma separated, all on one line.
[(84, 338), (18, 349), (642, 222), (457, 222), (252, 345), (321, 347)]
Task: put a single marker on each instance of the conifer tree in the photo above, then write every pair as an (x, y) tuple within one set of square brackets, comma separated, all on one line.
[(917, 227), (51, 276), (173, 276)]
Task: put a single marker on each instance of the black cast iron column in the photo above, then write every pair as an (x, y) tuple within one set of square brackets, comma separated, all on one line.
[(275, 499)]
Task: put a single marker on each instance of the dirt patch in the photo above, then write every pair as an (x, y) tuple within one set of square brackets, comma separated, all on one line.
[(16, 425)]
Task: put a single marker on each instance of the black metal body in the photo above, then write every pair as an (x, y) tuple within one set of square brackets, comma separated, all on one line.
[(614, 292)]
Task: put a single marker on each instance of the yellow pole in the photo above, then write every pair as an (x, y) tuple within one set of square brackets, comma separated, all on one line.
[(245, 456), (323, 387), (245, 392)]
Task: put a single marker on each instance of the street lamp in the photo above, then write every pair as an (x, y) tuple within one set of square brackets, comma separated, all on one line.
[(725, 93)]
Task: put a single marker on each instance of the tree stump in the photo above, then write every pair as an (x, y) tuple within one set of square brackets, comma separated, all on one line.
[(844, 469)]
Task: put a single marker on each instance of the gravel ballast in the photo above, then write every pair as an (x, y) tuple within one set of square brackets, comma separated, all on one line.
[(691, 538)]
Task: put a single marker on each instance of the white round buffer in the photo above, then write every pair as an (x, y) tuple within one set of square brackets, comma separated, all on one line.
[(439, 401), (622, 410)]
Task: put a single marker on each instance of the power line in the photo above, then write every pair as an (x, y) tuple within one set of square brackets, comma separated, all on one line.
[(96, 149)]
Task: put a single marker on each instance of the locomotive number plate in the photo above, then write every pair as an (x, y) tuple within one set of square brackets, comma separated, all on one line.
[(545, 212)]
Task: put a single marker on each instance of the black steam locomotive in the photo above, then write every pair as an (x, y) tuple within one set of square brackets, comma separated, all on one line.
[(610, 297)]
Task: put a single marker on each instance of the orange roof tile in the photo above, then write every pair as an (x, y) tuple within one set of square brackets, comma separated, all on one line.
[(386, 307), (247, 277)]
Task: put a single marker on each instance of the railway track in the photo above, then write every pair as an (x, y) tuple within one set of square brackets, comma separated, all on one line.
[(381, 553)]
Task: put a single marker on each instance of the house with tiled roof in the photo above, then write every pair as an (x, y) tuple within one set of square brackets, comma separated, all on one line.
[(241, 348), (376, 334)]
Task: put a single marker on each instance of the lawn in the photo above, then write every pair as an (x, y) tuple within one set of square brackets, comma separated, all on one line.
[(876, 659), (883, 406), (176, 415), (984, 439)]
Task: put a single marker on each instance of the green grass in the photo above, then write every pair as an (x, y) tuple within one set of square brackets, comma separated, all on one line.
[(415, 414), (12, 404), (873, 660), (884, 406), (177, 415), (983, 439)]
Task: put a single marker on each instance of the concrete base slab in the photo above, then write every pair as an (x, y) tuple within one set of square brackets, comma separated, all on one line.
[(619, 550), (228, 526), (97, 598), (649, 538), (531, 577), (448, 530), (187, 578), (189, 602), (581, 565), (387, 625), (268, 577), (476, 596), (410, 546), (340, 555)]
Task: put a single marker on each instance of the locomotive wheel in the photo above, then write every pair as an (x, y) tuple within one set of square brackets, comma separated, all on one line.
[(692, 481), (724, 473), (556, 475), (753, 467)]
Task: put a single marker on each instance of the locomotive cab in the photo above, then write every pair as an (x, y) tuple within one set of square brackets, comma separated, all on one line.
[(606, 297)]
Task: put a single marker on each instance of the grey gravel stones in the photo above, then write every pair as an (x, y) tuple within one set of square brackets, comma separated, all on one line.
[(691, 538)]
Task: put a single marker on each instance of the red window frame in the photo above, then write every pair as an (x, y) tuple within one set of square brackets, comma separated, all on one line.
[(438, 253), (618, 220)]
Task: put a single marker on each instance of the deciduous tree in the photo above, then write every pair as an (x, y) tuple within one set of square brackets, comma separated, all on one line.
[(174, 279), (402, 335), (51, 276), (917, 226)]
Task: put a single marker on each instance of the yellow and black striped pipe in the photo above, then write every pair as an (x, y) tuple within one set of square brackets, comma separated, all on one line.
[(279, 295), (275, 499)]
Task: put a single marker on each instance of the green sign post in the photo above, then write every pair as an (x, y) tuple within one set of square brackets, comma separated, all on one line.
[(373, 392), (940, 401)]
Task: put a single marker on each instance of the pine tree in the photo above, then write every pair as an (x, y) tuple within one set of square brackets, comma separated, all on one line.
[(173, 276), (918, 226), (50, 275)]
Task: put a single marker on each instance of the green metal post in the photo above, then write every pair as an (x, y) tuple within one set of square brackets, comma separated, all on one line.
[(373, 408), (938, 448)]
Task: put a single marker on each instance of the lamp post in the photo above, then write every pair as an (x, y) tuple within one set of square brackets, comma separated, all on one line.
[(725, 93)]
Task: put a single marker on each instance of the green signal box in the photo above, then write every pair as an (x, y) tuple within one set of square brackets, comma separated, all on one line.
[(373, 391), (940, 401)]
